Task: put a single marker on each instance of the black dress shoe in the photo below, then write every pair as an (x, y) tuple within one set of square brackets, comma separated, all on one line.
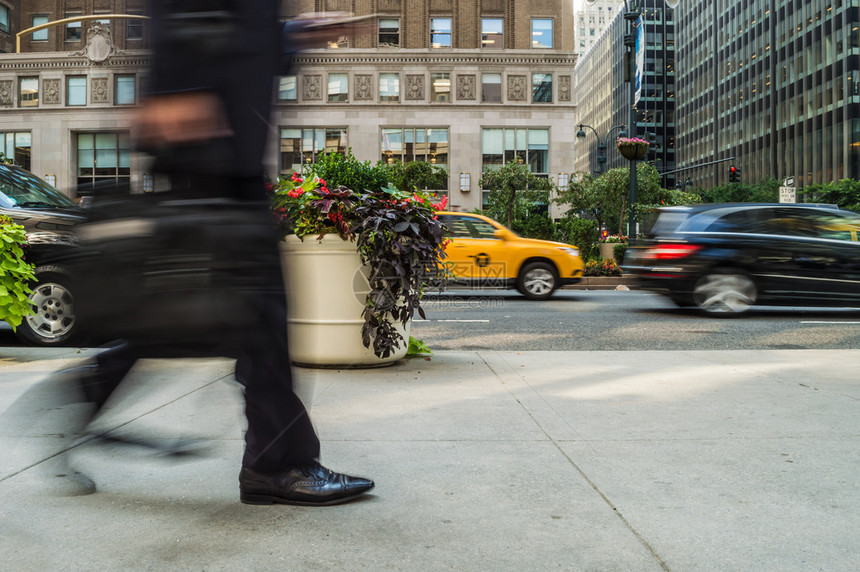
[(308, 484)]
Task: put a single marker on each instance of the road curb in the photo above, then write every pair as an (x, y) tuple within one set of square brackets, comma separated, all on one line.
[(602, 283)]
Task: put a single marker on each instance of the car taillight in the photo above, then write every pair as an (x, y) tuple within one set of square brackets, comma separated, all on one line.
[(671, 251)]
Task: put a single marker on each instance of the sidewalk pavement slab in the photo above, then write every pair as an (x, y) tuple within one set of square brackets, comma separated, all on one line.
[(483, 460)]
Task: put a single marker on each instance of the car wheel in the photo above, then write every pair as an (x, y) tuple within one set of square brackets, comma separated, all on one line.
[(537, 280), (53, 321), (725, 292)]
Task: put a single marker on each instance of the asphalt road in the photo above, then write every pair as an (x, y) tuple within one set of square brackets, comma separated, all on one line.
[(621, 320), (611, 320)]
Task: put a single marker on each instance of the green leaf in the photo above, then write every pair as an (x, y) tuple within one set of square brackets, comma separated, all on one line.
[(417, 348)]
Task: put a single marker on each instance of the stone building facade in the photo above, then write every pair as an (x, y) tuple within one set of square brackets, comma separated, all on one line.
[(465, 84), (66, 99)]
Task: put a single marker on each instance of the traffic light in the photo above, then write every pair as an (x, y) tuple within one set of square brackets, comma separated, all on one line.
[(734, 174)]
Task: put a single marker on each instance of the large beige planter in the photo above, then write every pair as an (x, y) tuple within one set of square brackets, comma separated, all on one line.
[(326, 288), (607, 250)]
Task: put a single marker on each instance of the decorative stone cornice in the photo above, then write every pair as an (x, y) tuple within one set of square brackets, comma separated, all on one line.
[(66, 60), (422, 57)]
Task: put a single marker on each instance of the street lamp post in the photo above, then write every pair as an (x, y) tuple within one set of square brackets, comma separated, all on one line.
[(601, 143), (632, 12)]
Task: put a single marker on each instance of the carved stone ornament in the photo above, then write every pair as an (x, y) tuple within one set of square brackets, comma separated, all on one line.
[(414, 87), (465, 87), (100, 92), (312, 87), (99, 44), (52, 91), (516, 88), (564, 88), (363, 88), (6, 93)]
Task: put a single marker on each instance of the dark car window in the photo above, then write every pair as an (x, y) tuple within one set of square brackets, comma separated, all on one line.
[(667, 222), (810, 223), (737, 221), (482, 229), (456, 226), (20, 188), (468, 227)]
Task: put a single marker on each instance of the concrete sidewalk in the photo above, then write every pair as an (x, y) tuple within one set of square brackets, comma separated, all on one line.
[(483, 461)]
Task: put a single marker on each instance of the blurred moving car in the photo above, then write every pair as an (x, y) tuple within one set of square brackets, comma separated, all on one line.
[(48, 217), (726, 258), (483, 253)]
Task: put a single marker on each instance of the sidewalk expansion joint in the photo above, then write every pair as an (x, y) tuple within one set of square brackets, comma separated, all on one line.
[(106, 432)]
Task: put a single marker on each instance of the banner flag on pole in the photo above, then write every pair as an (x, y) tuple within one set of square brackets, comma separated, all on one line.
[(640, 59)]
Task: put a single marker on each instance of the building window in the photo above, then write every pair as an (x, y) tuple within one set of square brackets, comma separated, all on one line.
[(440, 87), (422, 144), (389, 87), (76, 90), (389, 33), (491, 88), (542, 33), (528, 146), (302, 146), (17, 146), (40, 35), (28, 92), (124, 90), (288, 88), (102, 157), (541, 88), (440, 32), (338, 88), (4, 18), (104, 22), (491, 33), (73, 29), (134, 26)]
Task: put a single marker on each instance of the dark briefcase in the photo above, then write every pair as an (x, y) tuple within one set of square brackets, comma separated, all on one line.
[(160, 269)]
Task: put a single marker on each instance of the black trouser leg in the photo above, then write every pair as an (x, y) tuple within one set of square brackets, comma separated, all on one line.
[(280, 433)]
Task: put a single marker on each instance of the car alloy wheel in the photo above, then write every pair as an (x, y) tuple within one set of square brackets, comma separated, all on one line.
[(54, 314), (537, 281), (725, 292)]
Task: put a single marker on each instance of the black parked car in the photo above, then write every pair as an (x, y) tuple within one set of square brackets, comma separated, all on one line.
[(48, 217), (725, 258)]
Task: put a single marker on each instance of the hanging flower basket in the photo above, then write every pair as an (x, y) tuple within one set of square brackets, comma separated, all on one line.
[(632, 148)]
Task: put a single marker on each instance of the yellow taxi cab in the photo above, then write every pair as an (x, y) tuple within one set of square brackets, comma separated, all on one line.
[(483, 253)]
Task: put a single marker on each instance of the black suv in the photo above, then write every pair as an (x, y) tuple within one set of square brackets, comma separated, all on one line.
[(725, 258), (48, 217)]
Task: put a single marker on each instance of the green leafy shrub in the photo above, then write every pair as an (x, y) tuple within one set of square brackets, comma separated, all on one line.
[(537, 225), (417, 175), (347, 171), (580, 232), (619, 250), (602, 267), (15, 274)]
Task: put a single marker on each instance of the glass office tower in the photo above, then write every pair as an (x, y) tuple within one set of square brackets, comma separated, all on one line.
[(772, 83), (603, 98)]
